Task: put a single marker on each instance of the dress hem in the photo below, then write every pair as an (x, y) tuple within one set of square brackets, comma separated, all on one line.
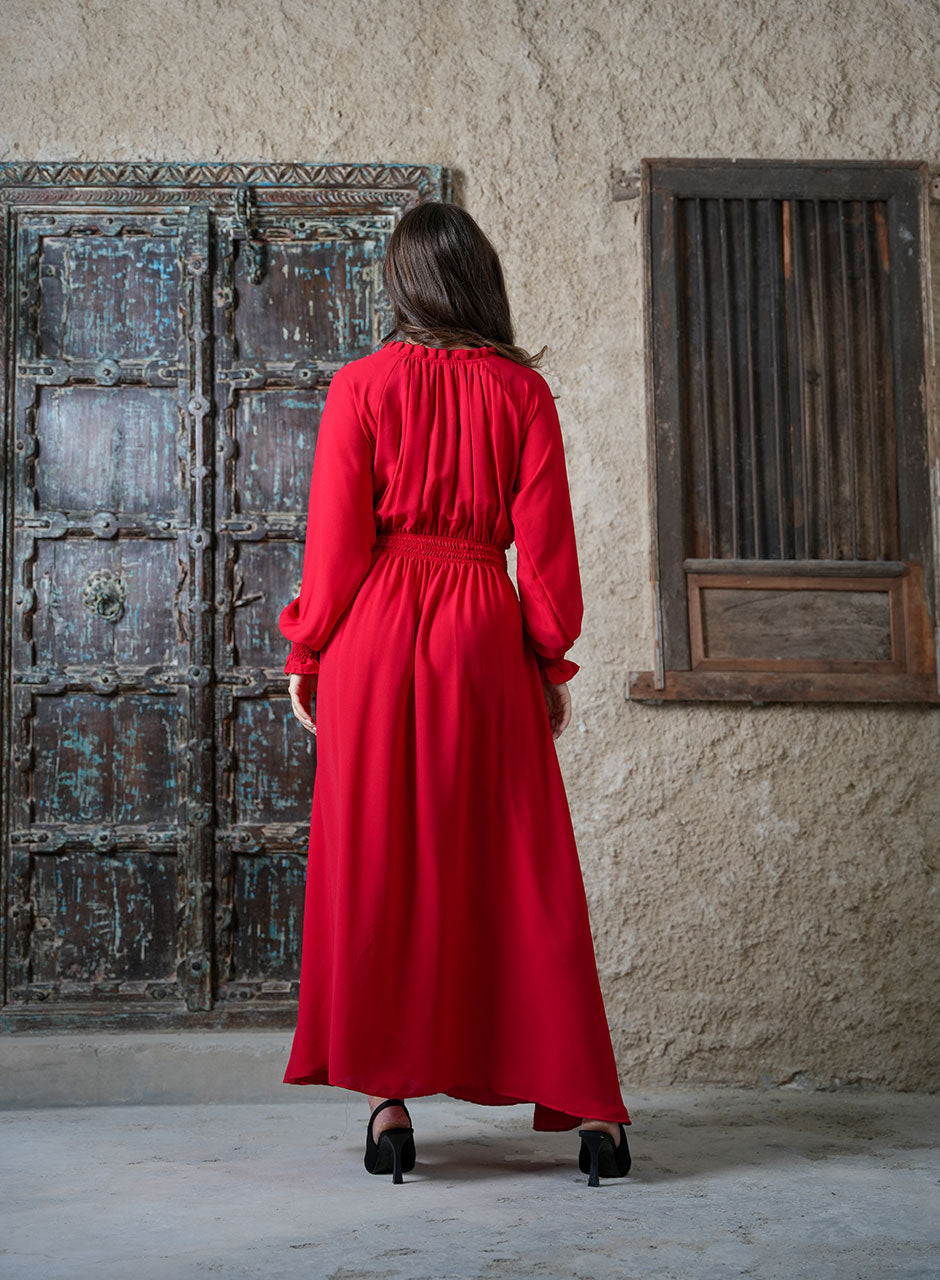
[(546, 1119)]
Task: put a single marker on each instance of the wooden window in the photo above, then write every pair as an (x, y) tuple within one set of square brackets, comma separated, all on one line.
[(793, 546)]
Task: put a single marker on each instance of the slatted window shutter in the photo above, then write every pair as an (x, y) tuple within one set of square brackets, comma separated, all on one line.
[(793, 552)]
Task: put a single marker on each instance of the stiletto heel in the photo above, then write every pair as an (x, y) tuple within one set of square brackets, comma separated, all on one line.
[(395, 1149), (398, 1139), (600, 1158)]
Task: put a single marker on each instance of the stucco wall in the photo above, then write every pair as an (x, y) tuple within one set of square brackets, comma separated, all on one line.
[(762, 880)]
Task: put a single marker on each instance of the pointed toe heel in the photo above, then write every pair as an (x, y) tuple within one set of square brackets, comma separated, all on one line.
[(600, 1158), (395, 1150)]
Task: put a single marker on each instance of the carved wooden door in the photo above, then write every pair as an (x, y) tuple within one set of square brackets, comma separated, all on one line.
[(171, 332)]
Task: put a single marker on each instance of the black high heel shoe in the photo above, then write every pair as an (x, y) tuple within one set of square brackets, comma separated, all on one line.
[(599, 1155), (395, 1150)]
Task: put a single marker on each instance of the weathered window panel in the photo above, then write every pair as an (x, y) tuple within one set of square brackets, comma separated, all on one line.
[(174, 332), (789, 434)]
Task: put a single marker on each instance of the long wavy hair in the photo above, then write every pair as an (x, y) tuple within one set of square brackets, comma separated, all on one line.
[(445, 283)]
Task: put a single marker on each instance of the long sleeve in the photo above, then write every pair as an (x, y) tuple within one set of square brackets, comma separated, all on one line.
[(340, 528), (547, 568)]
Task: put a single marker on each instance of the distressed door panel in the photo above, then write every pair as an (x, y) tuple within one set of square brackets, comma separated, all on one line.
[(266, 925), (109, 449), (266, 573), (109, 295), (101, 637), (174, 332), (109, 760), (105, 922), (95, 599), (293, 304), (316, 296), (274, 766), (275, 433)]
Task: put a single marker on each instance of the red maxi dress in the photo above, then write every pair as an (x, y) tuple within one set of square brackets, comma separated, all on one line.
[(447, 946)]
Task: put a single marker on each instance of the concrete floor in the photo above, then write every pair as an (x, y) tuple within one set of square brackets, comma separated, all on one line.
[(725, 1182)]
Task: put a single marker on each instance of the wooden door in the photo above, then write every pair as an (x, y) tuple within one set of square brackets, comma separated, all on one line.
[(170, 333)]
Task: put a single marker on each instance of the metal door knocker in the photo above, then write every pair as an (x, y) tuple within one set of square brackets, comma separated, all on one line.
[(104, 594)]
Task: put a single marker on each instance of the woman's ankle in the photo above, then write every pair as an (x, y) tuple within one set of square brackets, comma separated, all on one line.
[(606, 1126)]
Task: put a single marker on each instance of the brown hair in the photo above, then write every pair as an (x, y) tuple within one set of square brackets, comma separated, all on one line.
[(445, 283)]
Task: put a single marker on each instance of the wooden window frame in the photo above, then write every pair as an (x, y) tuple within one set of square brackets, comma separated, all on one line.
[(905, 668)]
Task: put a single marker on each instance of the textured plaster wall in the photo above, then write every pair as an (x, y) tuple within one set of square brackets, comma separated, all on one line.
[(763, 880)]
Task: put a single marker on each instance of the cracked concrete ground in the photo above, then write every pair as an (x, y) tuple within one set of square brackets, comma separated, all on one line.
[(725, 1182)]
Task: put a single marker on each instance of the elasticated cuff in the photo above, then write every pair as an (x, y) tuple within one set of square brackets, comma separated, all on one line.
[(557, 670), (302, 661)]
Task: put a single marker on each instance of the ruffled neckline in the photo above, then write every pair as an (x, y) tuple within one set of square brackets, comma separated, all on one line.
[(441, 353)]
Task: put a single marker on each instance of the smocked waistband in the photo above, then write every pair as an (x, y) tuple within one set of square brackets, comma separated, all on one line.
[(441, 546)]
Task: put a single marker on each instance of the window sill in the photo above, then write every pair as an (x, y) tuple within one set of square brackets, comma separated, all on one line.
[(782, 686)]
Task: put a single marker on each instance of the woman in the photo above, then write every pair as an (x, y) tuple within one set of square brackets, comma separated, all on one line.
[(446, 941)]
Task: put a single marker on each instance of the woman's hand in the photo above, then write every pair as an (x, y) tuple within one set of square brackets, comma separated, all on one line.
[(301, 697), (558, 701)]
